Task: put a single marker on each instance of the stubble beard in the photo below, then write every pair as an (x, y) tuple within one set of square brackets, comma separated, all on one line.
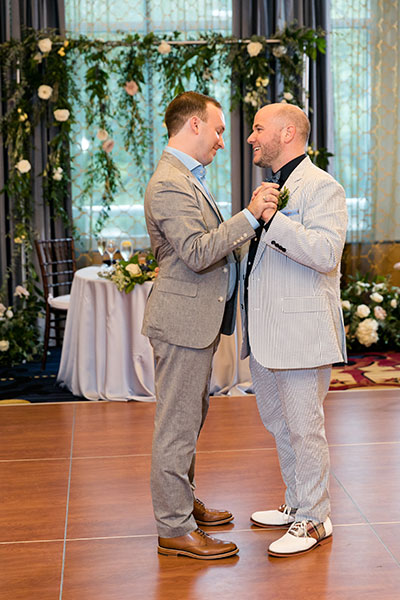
[(269, 154)]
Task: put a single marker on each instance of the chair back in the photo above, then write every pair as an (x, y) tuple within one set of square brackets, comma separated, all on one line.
[(57, 265)]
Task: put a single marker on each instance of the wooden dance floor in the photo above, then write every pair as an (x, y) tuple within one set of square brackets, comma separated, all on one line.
[(76, 519)]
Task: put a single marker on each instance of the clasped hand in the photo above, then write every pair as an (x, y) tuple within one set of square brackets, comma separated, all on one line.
[(264, 201)]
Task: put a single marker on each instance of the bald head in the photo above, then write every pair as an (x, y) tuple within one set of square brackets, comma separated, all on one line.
[(280, 133)]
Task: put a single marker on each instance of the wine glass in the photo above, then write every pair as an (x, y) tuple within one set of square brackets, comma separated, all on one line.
[(111, 248), (126, 249), (101, 245)]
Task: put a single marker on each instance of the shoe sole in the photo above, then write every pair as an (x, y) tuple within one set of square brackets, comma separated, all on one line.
[(175, 552), (324, 540), (211, 523), (267, 526)]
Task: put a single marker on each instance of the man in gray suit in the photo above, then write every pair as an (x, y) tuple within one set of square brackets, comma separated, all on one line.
[(191, 303), (292, 321)]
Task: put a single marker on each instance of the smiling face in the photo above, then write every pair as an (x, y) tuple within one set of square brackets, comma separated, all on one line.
[(267, 138), (210, 134)]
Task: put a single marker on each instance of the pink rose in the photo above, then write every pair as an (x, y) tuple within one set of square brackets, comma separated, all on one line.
[(131, 87), (108, 145)]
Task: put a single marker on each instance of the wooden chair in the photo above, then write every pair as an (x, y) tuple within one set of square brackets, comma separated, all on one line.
[(57, 266)]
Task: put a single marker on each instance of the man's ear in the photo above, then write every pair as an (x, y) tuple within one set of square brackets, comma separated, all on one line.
[(289, 133), (194, 124)]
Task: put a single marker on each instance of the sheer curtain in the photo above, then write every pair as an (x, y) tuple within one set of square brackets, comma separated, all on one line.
[(365, 51)]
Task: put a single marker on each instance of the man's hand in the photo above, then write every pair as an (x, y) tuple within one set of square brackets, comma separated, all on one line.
[(264, 201)]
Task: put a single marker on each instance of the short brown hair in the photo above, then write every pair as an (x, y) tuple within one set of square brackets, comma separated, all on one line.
[(183, 107)]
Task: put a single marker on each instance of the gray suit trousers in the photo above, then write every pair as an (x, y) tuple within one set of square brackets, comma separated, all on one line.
[(182, 380), (290, 403)]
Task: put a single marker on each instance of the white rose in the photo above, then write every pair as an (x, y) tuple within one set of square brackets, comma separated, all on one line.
[(279, 51), (23, 166), (254, 48), (376, 297), (45, 45), (362, 311), (164, 48), (44, 92), (57, 174), (397, 266), (9, 313), (366, 332), (4, 345), (288, 96), (346, 304), (378, 286), (393, 303), (134, 269), (102, 135), (21, 291), (61, 114)]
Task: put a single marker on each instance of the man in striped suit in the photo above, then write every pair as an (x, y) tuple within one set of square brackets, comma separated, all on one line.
[(292, 321)]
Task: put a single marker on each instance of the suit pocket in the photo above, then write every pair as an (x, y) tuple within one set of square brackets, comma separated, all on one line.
[(304, 304), (180, 288)]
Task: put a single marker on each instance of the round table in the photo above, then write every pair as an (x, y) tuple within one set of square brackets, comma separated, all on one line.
[(104, 354)]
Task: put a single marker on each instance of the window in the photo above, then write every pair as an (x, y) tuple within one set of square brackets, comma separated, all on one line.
[(106, 20)]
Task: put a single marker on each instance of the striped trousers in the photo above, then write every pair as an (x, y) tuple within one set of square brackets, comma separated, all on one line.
[(290, 403)]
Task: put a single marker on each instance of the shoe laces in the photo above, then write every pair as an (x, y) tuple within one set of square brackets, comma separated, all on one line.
[(299, 528), (286, 510), (197, 501), (202, 533)]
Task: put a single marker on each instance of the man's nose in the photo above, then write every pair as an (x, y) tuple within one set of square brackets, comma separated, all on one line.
[(250, 139), (221, 143)]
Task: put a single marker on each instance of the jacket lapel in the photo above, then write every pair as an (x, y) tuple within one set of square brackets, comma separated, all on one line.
[(292, 183)]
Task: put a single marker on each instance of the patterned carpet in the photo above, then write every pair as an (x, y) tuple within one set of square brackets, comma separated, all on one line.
[(367, 369), (30, 384)]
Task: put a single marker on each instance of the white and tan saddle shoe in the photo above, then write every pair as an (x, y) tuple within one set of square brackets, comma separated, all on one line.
[(302, 536), (280, 518)]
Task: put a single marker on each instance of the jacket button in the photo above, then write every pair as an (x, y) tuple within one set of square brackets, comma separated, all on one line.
[(225, 270), (221, 299)]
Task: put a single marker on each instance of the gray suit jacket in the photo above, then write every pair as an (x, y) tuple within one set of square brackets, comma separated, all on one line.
[(190, 242), (294, 315)]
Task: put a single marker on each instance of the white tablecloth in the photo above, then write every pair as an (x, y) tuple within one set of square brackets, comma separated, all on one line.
[(105, 356)]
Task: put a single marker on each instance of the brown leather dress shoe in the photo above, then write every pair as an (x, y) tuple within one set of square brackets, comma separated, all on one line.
[(196, 544), (210, 516)]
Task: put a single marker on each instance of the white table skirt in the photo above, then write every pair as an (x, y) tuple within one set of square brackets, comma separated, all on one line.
[(105, 356)]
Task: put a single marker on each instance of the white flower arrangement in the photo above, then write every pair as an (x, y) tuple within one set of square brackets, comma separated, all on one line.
[(19, 333), (125, 274), (371, 311)]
